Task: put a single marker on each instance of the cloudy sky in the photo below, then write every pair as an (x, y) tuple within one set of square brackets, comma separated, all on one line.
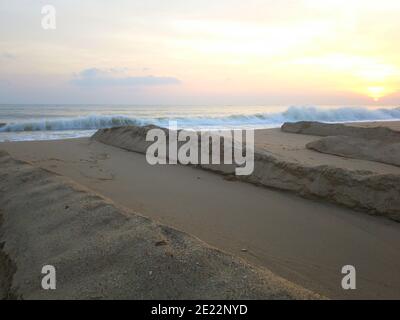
[(254, 52)]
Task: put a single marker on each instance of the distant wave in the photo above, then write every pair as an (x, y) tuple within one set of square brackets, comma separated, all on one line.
[(344, 114), (79, 123), (92, 122)]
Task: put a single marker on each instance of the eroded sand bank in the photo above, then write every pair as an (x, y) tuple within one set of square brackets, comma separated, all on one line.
[(375, 143), (304, 241), (100, 250), (372, 191)]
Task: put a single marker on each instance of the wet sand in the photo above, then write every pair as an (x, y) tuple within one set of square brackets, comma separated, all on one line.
[(301, 240), (100, 250)]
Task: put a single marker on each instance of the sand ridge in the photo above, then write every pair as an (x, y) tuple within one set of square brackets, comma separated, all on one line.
[(302, 240), (375, 143), (338, 129), (102, 251), (365, 190)]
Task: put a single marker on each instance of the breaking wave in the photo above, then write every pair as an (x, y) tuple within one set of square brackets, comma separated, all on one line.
[(79, 123), (257, 120)]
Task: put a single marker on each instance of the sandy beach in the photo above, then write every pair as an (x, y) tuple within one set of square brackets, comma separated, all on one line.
[(305, 241), (226, 153)]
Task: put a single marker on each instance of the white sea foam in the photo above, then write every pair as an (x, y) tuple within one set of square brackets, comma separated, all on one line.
[(62, 122), (79, 123), (256, 120)]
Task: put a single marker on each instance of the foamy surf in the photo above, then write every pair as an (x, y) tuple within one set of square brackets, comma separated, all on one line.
[(73, 125), (79, 123)]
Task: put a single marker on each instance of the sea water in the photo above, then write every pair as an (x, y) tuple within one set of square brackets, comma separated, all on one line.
[(49, 122)]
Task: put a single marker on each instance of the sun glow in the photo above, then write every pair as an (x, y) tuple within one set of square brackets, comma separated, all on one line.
[(376, 93), (228, 51)]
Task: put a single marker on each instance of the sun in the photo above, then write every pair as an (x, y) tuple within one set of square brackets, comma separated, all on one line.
[(376, 92)]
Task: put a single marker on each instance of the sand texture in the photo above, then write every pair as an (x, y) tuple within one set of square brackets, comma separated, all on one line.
[(371, 191), (304, 241), (102, 251), (359, 148), (379, 142), (337, 129)]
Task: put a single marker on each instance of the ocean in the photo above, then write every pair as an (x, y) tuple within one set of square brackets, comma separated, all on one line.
[(50, 122)]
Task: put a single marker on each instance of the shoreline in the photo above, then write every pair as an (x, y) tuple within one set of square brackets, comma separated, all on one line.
[(307, 247)]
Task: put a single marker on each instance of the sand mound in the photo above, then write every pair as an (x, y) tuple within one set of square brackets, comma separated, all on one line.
[(362, 190), (367, 143), (132, 138), (102, 251), (359, 148), (327, 129)]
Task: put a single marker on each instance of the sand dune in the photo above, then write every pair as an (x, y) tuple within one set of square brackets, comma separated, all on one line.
[(103, 251)]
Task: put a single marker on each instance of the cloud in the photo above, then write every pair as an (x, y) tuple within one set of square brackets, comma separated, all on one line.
[(116, 77)]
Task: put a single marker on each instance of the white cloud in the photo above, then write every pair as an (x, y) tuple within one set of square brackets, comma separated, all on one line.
[(116, 77)]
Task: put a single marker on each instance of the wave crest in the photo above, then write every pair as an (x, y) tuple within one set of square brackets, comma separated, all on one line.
[(79, 123), (292, 114)]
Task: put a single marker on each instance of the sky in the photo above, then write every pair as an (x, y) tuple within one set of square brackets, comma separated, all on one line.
[(187, 52)]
